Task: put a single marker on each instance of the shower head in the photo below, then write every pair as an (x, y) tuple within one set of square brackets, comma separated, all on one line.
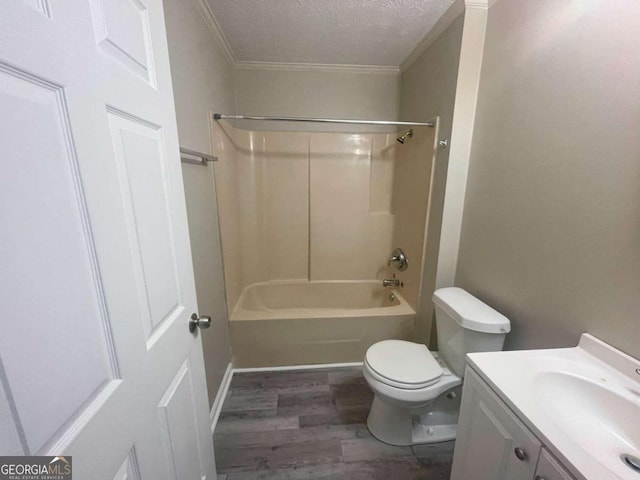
[(405, 135)]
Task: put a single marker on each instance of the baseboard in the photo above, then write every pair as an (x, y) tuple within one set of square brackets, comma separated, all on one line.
[(222, 393), (316, 366)]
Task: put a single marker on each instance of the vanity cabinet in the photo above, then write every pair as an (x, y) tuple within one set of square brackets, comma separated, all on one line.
[(493, 444), (550, 469)]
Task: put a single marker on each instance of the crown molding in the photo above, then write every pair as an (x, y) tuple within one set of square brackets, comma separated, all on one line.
[(455, 10), (210, 19), (317, 67)]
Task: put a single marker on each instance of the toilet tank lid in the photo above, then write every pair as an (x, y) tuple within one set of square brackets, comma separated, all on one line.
[(469, 312)]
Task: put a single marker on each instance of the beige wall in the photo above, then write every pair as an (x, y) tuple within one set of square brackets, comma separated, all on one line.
[(202, 81), (316, 93), (428, 89), (551, 230)]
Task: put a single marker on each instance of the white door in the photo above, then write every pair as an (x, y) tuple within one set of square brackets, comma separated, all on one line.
[(96, 282)]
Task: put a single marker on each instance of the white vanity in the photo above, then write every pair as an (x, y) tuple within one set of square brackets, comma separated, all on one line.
[(558, 414)]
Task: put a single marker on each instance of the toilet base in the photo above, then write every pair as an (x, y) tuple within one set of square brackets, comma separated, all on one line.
[(433, 423), (390, 424), (438, 433)]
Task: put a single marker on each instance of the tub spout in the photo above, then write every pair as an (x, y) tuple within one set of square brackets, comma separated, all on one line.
[(390, 282)]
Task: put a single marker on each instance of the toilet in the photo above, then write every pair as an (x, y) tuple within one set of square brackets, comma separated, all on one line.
[(417, 392)]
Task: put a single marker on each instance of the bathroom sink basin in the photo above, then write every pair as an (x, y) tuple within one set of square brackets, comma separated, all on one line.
[(583, 403), (603, 420)]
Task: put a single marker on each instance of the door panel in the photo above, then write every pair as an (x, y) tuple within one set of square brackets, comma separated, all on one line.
[(140, 156), (122, 31), (550, 469), (495, 444), (96, 359), (488, 434), (47, 235), (41, 6), (12, 444), (129, 469), (180, 426)]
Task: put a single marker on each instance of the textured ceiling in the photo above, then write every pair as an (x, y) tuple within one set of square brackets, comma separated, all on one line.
[(348, 32)]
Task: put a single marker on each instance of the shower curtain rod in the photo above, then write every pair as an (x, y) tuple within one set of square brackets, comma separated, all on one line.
[(220, 116)]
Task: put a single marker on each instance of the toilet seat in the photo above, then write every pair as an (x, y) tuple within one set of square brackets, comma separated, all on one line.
[(402, 364), (406, 397)]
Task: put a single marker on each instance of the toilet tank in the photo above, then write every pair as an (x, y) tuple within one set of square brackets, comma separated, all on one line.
[(466, 325)]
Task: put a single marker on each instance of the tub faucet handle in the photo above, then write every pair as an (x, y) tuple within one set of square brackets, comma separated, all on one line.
[(398, 259), (390, 282)]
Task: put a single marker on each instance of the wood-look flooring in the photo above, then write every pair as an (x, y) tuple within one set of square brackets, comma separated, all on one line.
[(311, 424)]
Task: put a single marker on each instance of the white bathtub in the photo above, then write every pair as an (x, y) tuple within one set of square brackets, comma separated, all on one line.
[(299, 323)]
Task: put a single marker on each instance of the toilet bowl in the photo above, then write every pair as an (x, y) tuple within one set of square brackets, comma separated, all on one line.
[(403, 413), (417, 392)]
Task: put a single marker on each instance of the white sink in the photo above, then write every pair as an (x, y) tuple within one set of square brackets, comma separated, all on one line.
[(583, 402), (602, 420)]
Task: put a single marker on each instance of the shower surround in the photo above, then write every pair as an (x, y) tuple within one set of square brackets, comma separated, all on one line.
[(314, 213)]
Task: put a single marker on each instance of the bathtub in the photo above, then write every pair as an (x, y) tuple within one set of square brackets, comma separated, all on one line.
[(301, 323)]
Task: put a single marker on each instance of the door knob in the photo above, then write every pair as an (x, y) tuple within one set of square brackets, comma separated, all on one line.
[(199, 322)]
